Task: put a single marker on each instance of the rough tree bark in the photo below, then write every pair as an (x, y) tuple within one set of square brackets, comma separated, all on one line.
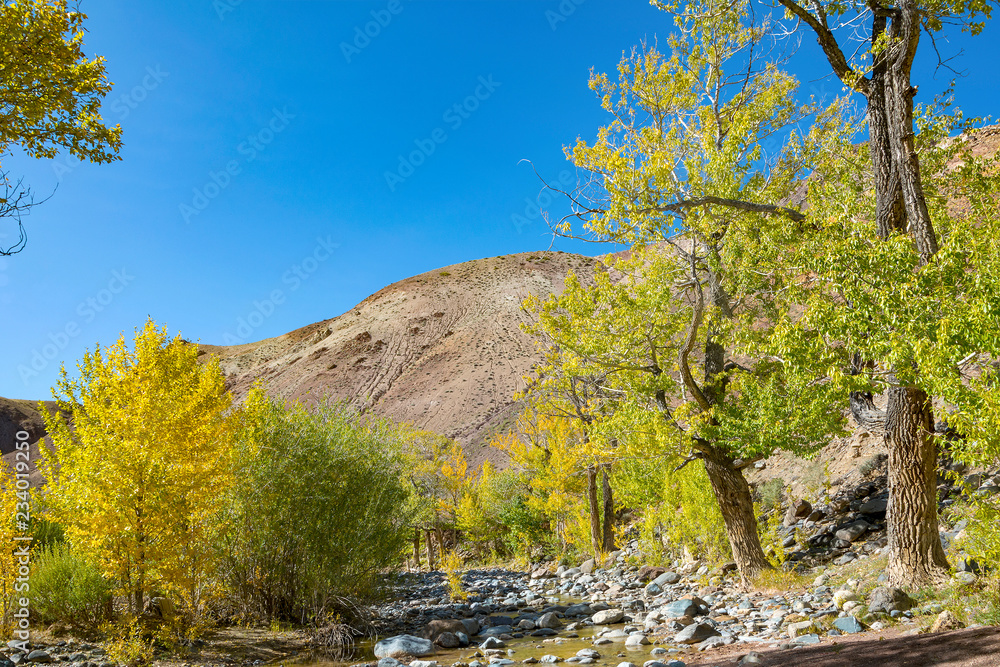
[(900, 206), (416, 548), (735, 501), (915, 552), (608, 534)]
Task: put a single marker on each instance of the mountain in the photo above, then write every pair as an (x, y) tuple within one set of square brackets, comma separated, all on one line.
[(442, 350)]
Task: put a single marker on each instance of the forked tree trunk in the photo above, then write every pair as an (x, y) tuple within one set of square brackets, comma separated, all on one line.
[(608, 541), (916, 556), (596, 534), (733, 494)]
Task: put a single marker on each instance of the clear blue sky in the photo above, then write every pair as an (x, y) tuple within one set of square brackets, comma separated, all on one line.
[(254, 144)]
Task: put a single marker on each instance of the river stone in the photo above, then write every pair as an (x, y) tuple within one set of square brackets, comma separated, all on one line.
[(389, 662), (627, 664), (652, 588), (549, 620), (492, 642), (404, 645), (471, 626), (587, 566), (588, 653), (695, 633), (544, 632), (806, 639), (667, 578), (849, 625), (550, 658), (649, 572), (496, 631), (435, 628), (608, 616), (424, 663), (578, 610), (636, 639), (447, 640), (680, 609), (39, 656), (884, 599)]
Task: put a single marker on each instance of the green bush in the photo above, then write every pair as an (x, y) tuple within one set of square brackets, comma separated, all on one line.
[(679, 510), (66, 588), (318, 512), (771, 493), (496, 517)]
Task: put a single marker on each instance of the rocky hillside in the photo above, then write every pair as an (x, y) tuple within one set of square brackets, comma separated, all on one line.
[(442, 350)]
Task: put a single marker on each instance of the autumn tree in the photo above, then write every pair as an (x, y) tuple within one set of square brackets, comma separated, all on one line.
[(138, 470), (682, 169), (50, 96)]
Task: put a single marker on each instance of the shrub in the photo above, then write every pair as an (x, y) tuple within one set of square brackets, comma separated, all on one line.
[(771, 493), (318, 511), (127, 646), (873, 464), (451, 564), (67, 588)]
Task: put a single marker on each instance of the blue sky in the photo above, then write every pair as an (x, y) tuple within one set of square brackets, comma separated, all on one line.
[(257, 149)]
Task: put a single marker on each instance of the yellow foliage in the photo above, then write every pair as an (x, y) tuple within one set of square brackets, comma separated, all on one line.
[(452, 564), (138, 479)]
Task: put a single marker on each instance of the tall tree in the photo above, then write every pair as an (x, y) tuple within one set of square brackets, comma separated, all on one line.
[(50, 96), (137, 472), (880, 69), (682, 165)]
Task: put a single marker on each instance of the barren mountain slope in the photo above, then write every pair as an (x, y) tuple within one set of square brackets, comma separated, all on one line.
[(442, 350)]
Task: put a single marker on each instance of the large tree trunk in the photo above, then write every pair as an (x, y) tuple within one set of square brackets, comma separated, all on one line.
[(596, 535), (608, 541), (916, 556), (733, 493)]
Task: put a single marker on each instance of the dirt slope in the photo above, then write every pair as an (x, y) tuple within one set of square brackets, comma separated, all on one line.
[(442, 350)]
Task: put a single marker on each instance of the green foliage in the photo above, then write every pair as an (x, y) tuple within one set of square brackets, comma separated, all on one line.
[(67, 588), (770, 539), (771, 494), (680, 515), (319, 510)]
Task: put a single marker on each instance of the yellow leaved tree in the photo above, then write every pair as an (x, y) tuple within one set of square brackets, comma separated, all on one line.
[(138, 470)]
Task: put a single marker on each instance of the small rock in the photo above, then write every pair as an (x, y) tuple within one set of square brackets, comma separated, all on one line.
[(548, 620), (965, 577), (608, 616), (848, 625), (884, 599), (946, 621), (696, 633), (752, 658), (492, 642), (39, 656)]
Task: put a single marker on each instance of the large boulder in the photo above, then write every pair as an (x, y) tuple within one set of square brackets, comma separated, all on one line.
[(800, 509), (667, 578), (394, 647)]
